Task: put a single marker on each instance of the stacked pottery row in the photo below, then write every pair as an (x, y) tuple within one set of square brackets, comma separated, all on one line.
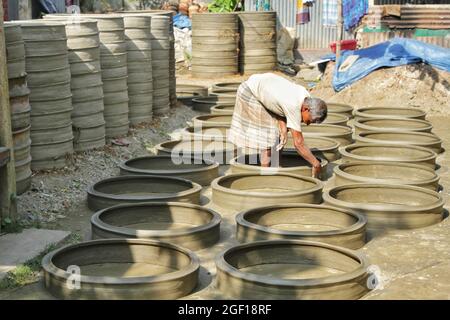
[(113, 60), (258, 47), (160, 30), (87, 87), (20, 106), (140, 79), (214, 44), (49, 79)]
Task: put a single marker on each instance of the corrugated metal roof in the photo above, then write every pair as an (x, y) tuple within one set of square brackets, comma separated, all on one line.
[(312, 35)]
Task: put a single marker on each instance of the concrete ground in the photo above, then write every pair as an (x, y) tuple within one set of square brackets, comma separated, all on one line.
[(412, 264)]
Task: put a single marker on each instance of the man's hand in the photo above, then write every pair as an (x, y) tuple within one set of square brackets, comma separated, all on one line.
[(283, 140), (316, 169), (283, 134)]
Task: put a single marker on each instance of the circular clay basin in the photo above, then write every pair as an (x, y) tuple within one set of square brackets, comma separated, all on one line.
[(369, 152), (196, 170), (303, 222), (191, 89), (222, 109), (337, 119), (387, 173), (291, 269), (420, 139), (121, 269), (288, 163), (208, 133), (390, 125), (218, 151), (205, 104), (249, 190), (342, 108), (208, 121), (341, 134), (226, 86), (390, 112), (389, 206), (184, 224), (321, 147), (145, 188)]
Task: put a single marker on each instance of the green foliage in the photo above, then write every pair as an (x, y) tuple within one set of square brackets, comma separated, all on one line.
[(223, 5)]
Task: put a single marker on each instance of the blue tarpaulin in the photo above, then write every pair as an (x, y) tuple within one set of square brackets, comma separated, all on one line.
[(392, 53), (182, 21)]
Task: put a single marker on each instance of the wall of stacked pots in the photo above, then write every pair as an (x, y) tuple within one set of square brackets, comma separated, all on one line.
[(261, 233), (225, 44), (76, 81)]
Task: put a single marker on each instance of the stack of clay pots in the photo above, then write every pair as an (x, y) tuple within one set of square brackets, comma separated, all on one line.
[(87, 87), (214, 44), (113, 60), (140, 79), (172, 71), (160, 29), (20, 105), (258, 47), (47, 66)]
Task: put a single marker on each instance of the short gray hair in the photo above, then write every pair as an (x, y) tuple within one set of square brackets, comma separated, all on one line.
[(317, 108)]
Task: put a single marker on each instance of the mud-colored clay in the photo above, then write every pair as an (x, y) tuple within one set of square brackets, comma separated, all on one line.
[(138, 189), (420, 139), (121, 269), (249, 190), (188, 225), (302, 222), (291, 269), (389, 206), (197, 170), (368, 152)]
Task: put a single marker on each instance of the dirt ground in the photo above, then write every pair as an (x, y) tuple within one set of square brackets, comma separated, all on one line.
[(413, 264)]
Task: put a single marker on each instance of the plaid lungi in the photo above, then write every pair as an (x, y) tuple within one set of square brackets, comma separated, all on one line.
[(252, 125)]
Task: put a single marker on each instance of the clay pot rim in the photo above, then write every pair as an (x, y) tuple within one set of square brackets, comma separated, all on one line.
[(358, 206), (51, 268), (361, 113), (209, 164), (361, 220), (216, 186), (234, 162), (224, 266), (92, 190), (338, 171), (345, 108), (162, 146), (335, 144), (344, 151), (347, 129), (360, 137), (190, 132), (361, 124), (206, 117), (97, 221), (211, 100)]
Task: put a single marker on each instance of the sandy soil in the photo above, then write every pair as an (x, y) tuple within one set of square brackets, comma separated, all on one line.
[(412, 264), (416, 85)]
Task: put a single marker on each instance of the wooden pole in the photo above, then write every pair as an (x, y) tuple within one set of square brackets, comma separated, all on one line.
[(340, 24), (8, 175)]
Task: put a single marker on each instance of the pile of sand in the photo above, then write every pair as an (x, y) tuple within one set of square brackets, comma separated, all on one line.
[(415, 85)]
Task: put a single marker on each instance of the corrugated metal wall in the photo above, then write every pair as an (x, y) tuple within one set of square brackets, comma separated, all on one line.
[(312, 35), (382, 2)]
